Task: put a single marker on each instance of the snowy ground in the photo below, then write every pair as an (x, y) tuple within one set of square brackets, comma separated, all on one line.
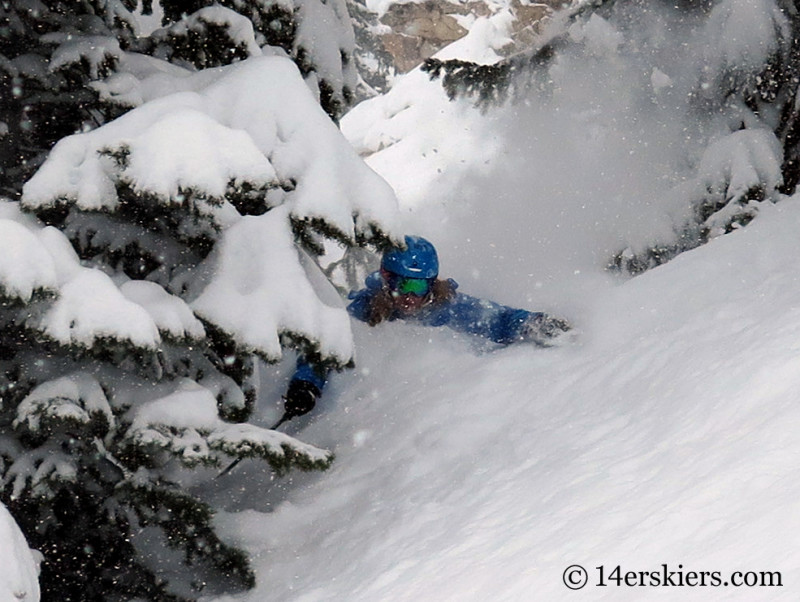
[(667, 435)]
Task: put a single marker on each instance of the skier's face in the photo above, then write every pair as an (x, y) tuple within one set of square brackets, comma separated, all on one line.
[(408, 303), (408, 294)]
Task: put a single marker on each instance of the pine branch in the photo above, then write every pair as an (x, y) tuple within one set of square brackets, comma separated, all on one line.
[(187, 525)]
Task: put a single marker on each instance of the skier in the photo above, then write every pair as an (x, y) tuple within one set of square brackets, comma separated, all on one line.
[(407, 287)]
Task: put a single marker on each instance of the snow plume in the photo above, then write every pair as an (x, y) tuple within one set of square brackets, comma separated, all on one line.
[(498, 191), (608, 146), (583, 166)]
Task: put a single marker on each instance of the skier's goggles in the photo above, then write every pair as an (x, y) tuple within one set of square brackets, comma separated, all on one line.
[(403, 285)]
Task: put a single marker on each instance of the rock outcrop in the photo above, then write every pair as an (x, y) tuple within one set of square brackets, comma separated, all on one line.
[(420, 29)]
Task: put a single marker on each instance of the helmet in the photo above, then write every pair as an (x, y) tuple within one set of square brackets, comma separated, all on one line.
[(417, 260)]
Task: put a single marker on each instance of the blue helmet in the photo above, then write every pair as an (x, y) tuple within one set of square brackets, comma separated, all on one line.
[(417, 260)]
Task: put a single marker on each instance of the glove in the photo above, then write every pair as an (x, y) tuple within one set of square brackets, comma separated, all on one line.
[(544, 330), (300, 398)]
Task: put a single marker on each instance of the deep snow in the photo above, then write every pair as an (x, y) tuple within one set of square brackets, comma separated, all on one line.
[(668, 434)]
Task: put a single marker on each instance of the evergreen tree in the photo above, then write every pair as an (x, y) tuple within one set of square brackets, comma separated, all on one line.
[(50, 52), (64, 63), (316, 34), (374, 64), (158, 259), (745, 94)]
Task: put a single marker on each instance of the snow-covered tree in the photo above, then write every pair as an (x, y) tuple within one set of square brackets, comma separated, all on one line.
[(316, 34), (374, 64), (742, 90), (172, 250), (50, 52), (70, 66)]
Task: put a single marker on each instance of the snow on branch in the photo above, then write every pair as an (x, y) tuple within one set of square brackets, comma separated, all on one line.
[(163, 151), (40, 472), (255, 124), (91, 310), (256, 301), (82, 307), (98, 53), (747, 46), (215, 164), (737, 172), (25, 266), (172, 316), (75, 401), (742, 161), (185, 423), (210, 37)]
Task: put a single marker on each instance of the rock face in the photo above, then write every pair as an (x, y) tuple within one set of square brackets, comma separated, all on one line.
[(420, 29)]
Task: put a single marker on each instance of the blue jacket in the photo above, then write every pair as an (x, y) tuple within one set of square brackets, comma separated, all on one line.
[(462, 313)]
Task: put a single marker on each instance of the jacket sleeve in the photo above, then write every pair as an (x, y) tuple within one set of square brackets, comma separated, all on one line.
[(359, 304), (498, 323), (310, 373)]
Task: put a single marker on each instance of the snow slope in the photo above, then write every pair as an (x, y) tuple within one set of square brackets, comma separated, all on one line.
[(668, 435)]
